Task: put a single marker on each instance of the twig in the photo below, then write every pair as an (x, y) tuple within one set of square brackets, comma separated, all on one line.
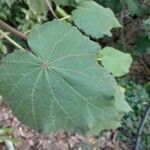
[(49, 3), (7, 27), (67, 17), (141, 126), (63, 14), (122, 36), (145, 66), (1, 37), (11, 41)]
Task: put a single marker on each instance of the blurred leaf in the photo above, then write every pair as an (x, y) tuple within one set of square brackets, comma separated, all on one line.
[(9, 2), (115, 5), (1, 99), (37, 6), (3, 48), (4, 131), (142, 45), (68, 2), (9, 144), (134, 6), (5, 137)]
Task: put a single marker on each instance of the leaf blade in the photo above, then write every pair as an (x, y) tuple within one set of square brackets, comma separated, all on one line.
[(61, 88), (94, 19)]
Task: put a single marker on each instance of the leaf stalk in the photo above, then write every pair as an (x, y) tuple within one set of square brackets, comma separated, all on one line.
[(11, 40)]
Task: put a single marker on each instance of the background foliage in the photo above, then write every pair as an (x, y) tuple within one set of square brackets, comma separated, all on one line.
[(25, 15)]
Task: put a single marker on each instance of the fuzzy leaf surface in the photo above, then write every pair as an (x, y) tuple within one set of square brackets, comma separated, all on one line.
[(61, 86)]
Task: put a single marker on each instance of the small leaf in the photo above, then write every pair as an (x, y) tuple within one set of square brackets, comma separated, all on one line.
[(62, 86), (94, 19), (3, 48), (68, 2), (147, 21), (37, 6), (9, 144), (9, 2), (4, 131), (115, 61), (114, 5), (142, 44), (134, 7)]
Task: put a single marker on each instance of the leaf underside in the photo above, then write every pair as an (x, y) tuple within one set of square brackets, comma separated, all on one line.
[(62, 86)]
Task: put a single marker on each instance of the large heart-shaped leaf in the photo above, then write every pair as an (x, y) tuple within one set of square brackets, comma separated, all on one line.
[(61, 86), (94, 19)]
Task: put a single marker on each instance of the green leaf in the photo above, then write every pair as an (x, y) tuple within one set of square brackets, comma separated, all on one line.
[(134, 7), (61, 86), (37, 6), (9, 2), (9, 144), (1, 99), (142, 45), (3, 48), (94, 19), (147, 21), (115, 61), (114, 5), (68, 2), (63, 2), (4, 131), (121, 105)]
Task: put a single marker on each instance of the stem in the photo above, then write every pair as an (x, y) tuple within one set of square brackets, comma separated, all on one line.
[(1, 37), (65, 18), (145, 66), (12, 30), (63, 14), (11, 41), (49, 3), (141, 126)]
